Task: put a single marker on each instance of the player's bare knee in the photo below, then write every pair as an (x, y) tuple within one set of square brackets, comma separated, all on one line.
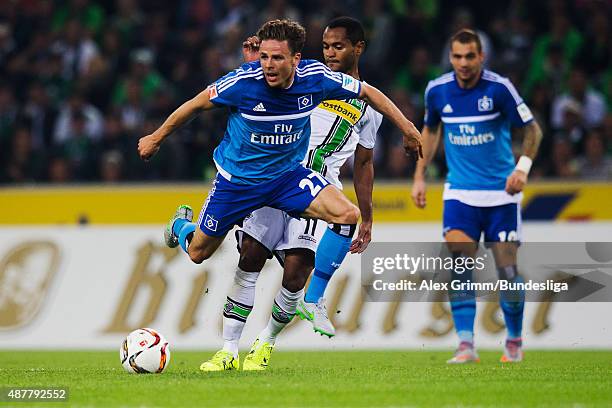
[(505, 253), (198, 256), (351, 215), (459, 242), (253, 255), (348, 214), (456, 236), (250, 261)]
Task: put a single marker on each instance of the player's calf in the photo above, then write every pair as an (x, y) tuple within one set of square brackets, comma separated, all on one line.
[(298, 265), (463, 307), (331, 251), (512, 303), (334, 208)]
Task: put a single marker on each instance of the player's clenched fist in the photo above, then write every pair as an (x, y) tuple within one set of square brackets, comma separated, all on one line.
[(148, 146), (515, 182), (413, 145)]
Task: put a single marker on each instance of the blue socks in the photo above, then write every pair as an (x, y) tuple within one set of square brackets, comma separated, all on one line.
[(512, 302), (330, 253), (463, 307), (182, 229)]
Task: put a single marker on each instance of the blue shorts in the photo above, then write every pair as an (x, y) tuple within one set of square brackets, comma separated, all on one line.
[(228, 203), (500, 223)]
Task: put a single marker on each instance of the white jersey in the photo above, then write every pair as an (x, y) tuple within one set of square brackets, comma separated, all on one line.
[(336, 129)]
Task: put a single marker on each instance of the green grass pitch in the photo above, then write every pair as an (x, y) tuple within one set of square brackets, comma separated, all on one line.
[(321, 379)]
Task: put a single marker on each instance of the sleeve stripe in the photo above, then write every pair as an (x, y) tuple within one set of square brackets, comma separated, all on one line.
[(238, 75), (228, 84), (227, 79), (239, 72), (327, 75), (313, 71), (448, 77), (512, 90), (491, 76), (316, 65)]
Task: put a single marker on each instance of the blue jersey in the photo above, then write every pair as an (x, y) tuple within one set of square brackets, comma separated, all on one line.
[(476, 128), (268, 128)]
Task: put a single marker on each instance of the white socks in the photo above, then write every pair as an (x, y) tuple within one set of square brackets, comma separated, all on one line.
[(283, 310), (237, 308)]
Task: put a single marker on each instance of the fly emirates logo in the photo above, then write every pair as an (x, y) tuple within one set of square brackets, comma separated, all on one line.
[(468, 136), (282, 135)]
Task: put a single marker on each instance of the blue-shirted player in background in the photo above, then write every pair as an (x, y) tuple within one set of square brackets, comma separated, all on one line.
[(475, 111), (259, 159)]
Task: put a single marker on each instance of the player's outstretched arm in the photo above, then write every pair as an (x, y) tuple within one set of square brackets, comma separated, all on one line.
[(149, 145), (532, 136), (384, 105), (363, 180), (431, 138)]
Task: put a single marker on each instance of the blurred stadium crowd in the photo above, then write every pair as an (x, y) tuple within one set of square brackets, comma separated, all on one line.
[(82, 80)]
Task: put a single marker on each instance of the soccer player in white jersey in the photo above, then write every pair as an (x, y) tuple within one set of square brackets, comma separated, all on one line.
[(339, 130), (259, 159), (476, 110)]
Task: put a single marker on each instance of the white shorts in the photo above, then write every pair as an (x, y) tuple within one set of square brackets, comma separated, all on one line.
[(278, 231)]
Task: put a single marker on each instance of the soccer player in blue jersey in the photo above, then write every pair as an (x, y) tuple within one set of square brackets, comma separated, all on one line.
[(259, 158), (476, 110), (340, 129)]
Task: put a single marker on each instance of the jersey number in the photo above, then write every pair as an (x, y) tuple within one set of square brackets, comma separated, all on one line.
[(314, 226), (307, 182), (507, 236)]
